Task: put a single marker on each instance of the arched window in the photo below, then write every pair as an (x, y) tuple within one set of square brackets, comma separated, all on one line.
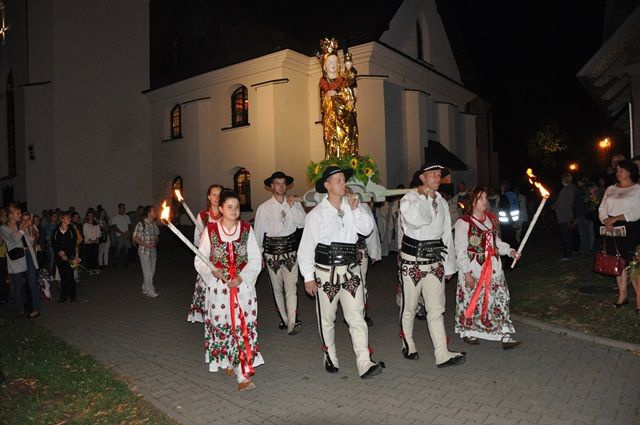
[(239, 107), (176, 122), (242, 186), (419, 41)]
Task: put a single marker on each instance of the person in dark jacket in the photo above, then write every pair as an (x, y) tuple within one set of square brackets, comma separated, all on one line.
[(63, 240)]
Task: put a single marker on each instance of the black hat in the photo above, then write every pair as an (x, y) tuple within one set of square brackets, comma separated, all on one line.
[(433, 165), (278, 175), (330, 171)]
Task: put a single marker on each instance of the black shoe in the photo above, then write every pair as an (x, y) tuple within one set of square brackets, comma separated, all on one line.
[(420, 316), (410, 356), (297, 328), (374, 370), (369, 321), (330, 367), (282, 326), (623, 303), (454, 361)]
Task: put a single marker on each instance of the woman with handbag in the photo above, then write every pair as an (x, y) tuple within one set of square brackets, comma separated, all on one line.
[(619, 212), (21, 260)]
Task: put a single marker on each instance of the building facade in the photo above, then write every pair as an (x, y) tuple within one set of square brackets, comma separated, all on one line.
[(95, 120)]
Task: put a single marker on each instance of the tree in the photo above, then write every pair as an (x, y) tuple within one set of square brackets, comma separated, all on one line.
[(548, 145)]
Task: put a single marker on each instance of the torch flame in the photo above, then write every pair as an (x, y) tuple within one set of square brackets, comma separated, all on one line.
[(532, 177), (164, 216), (178, 195)]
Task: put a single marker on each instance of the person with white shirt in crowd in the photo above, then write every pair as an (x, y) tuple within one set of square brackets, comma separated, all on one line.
[(328, 263), (92, 233), (276, 224), (120, 224), (22, 264)]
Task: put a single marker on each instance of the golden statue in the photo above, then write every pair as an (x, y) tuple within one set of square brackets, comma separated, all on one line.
[(338, 100)]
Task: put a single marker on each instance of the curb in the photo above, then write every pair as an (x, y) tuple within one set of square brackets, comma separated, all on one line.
[(614, 343)]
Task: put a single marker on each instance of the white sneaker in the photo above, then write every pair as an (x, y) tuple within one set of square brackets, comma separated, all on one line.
[(153, 295)]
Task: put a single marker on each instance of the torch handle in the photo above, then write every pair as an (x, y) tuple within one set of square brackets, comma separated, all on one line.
[(191, 216), (528, 233), (190, 245)]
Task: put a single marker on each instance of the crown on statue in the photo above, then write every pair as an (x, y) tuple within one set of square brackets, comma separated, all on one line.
[(328, 47)]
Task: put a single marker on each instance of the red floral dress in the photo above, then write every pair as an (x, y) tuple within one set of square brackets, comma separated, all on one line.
[(482, 311), (196, 309), (225, 344)]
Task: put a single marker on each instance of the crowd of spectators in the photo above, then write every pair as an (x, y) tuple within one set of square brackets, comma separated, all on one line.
[(59, 246)]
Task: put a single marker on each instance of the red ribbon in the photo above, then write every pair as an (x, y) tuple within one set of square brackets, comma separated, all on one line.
[(484, 282), (245, 356)]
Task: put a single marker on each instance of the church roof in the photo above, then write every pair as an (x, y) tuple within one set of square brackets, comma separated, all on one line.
[(198, 36)]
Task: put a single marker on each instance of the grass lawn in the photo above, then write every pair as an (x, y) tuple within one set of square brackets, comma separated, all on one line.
[(50, 382), (545, 289)]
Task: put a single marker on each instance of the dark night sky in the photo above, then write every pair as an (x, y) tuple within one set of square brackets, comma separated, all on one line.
[(525, 56)]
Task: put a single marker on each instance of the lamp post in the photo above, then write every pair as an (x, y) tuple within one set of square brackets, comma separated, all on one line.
[(573, 167)]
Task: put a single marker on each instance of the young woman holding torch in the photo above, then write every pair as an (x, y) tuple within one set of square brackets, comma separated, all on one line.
[(231, 310)]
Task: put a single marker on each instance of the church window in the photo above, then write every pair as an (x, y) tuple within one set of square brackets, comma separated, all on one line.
[(242, 186), (176, 122), (239, 107)]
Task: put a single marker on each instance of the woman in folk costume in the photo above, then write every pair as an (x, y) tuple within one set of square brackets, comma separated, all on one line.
[(204, 217), (231, 310), (482, 296)]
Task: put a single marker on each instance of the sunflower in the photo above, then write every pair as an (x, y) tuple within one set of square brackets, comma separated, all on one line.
[(318, 169), (354, 162), (368, 172)]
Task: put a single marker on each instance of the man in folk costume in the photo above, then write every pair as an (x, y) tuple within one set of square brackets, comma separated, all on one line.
[(328, 262), (368, 248), (427, 257), (203, 219), (275, 226)]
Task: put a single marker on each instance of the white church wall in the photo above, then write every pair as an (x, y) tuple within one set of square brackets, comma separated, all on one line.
[(101, 119), (402, 35)]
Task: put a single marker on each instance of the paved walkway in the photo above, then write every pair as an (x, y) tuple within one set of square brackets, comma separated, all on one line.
[(551, 379)]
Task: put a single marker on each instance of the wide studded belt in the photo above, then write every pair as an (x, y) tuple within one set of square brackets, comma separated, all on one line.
[(430, 250), (280, 245), (336, 254)]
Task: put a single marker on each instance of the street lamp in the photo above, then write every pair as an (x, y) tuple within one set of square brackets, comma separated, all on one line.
[(573, 166)]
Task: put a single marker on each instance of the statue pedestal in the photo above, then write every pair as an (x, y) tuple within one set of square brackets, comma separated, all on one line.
[(367, 192)]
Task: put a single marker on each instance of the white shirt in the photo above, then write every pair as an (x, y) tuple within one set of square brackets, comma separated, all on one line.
[(374, 247), (323, 225), (420, 222), (13, 239), (275, 219), (249, 273), (91, 232), (618, 200), (122, 222)]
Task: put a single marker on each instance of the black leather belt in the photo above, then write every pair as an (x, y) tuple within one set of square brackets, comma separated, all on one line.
[(280, 245), (336, 254), (431, 250)]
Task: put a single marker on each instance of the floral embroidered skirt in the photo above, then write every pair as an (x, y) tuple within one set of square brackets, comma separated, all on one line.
[(196, 309), (224, 345), (497, 321)]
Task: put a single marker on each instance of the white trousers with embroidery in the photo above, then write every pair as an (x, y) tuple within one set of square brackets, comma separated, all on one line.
[(431, 287), (337, 285), (284, 285)]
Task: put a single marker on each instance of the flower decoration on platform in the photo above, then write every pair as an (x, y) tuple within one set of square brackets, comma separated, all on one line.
[(364, 168)]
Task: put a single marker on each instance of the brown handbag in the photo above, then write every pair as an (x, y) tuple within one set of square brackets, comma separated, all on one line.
[(609, 265)]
